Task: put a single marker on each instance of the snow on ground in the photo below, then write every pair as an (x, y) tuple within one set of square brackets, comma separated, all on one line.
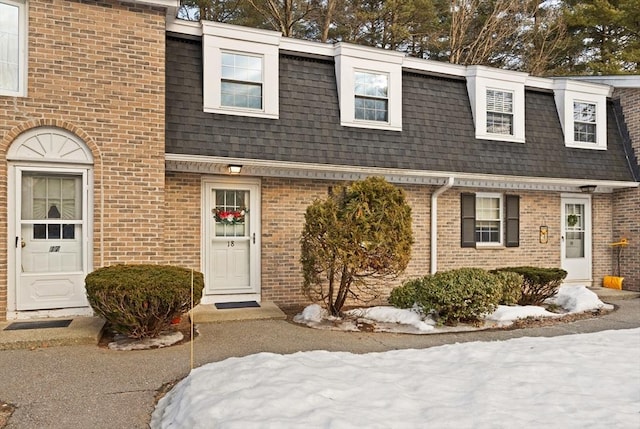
[(573, 381), (573, 299)]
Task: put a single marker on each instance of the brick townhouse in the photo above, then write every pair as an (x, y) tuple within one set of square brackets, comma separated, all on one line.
[(129, 136)]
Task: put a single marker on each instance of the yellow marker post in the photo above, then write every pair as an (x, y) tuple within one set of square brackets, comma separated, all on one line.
[(615, 282)]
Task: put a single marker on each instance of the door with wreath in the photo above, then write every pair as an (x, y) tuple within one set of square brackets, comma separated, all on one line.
[(575, 239)]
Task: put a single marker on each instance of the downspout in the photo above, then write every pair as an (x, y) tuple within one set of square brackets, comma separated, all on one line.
[(434, 222)]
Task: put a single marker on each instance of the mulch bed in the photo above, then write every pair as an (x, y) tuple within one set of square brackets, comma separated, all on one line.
[(184, 327)]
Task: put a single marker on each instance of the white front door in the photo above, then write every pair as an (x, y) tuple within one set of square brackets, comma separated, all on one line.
[(576, 239), (231, 219), (51, 238)]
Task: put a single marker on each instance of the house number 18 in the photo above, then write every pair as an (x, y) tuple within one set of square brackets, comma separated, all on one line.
[(231, 243)]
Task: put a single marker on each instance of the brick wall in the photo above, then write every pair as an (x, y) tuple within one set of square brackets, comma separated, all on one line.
[(97, 69), (536, 209), (626, 214), (283, 206), (183, 219), (284, 202), (602, 213)]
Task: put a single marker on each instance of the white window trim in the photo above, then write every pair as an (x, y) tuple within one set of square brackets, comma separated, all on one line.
[(219, 38), (502, 215), (566, 92), (22, 50), (351, 58), (479, 80)]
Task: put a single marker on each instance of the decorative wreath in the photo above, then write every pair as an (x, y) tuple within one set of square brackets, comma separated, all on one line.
[(572, 219)]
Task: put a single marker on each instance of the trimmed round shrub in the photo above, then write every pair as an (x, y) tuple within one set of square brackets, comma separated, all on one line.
[(405, 296), (510, 286), (141, 300), (538, 283), (462, 295)]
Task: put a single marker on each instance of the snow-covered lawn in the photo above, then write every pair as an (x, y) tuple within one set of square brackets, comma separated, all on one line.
[(573, 299), (574, 381)]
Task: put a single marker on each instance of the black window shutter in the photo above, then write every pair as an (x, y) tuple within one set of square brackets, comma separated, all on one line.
[(512, 215), (467, 220)]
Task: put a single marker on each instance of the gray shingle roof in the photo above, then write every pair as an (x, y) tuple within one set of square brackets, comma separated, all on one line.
[(437, 131)]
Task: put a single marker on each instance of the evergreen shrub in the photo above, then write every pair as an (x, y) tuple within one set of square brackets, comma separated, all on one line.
[(461, 295), (538, 283), (140, 301)]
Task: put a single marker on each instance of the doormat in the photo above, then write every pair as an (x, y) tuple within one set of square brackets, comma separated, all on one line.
[(241, 304), (44, 324)]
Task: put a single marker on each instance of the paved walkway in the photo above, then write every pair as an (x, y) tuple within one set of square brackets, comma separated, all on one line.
[(84, 386)]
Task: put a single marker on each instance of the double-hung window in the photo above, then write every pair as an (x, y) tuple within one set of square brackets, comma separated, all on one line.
[(497, 99), (12, 47), (371, 96), (499, 112), (584, 122), (241, 69), (241, 83), (489, 219), (488, 225), (582, 109)]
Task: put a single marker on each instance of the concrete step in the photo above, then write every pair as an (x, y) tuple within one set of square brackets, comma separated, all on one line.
[(206, 313), (607, 294), (81, 330)]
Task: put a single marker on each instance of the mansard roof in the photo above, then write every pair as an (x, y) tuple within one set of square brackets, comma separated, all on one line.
[(437, 126)]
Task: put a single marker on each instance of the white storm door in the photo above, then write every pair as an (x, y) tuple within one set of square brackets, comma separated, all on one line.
[(231, 218), (576, 239), (51, 245)]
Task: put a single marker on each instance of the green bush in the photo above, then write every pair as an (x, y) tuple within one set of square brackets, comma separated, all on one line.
[(354, 240), (405, 296), (510, 286), (538, 283), (462, 295), (141, 300)]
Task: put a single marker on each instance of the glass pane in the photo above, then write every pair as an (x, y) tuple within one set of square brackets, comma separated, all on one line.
[(499, 123), (499, 101), (371, 109), (241, 67), (53, 231), (584, 132), (9, 46), (49, 197), (68, 232), (39, 231), (584, 112), (574, 230), (371, 84), (231, 213), (244, 95)]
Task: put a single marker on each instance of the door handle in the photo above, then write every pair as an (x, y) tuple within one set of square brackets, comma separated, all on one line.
[(254, 238), (17, 238)]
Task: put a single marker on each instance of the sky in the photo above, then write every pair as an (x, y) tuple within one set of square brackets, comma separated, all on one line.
[(574, 381)]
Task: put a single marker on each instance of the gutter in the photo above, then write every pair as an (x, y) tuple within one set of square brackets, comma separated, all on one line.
[(434, 222)]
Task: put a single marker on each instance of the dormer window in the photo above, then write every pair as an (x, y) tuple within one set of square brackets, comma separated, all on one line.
[(584, 122), (241, 67), (497, 103), (582, 112), (371, 96), (499, 112), (241, 83), (369, 87)]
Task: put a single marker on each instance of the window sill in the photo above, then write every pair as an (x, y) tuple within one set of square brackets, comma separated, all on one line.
[(371, 125), (500, 137), (490, 246), (584, 145), (239, 112)]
